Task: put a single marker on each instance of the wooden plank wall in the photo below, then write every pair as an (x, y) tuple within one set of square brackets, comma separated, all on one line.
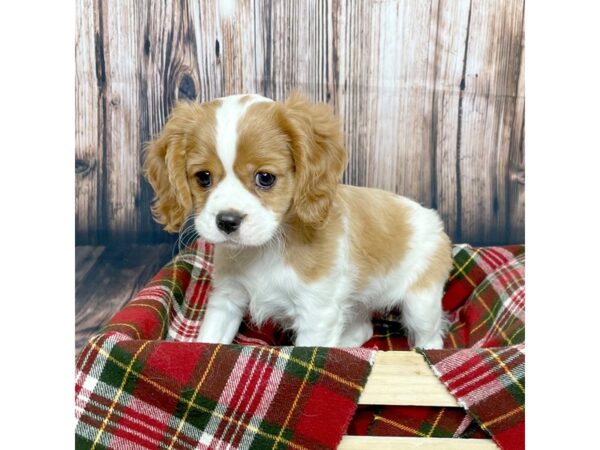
[(431, 94)]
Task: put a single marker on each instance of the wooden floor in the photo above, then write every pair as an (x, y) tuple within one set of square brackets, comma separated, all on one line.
[(106, 278)]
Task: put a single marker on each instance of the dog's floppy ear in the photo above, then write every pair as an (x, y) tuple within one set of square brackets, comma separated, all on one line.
[(317, 145), (164, 167)]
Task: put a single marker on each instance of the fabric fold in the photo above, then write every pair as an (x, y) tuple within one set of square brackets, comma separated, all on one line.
[(487, 377)]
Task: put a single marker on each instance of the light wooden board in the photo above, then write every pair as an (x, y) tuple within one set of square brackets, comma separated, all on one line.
[(409, 443), (404, 378), (430, 93)]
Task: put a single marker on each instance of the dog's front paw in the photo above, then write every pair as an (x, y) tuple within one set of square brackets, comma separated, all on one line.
[(212, 339), (356, 334), (431, 344), (218, 328)]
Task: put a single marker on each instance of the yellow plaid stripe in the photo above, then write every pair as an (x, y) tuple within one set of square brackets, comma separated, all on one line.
[(162, 314), (196, 390), (506, 369), (321, 371), (436, 421), (400, 426), (451, 334), (492, 314), (310, 368), (461, 270), (170, 285), (519, 330), (128, 371), (197, 407), (123, 324), (195, 309), (517, 410)]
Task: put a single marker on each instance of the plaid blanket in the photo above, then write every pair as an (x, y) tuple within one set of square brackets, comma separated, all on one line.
[(488, 377), (143, 383)]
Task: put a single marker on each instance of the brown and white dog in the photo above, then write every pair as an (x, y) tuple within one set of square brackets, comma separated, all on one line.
[(262, 180)]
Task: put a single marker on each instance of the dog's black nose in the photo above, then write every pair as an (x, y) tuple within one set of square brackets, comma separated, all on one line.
[(229, 221)]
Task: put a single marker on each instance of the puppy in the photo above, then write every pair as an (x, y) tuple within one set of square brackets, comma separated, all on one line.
[(262, 180)]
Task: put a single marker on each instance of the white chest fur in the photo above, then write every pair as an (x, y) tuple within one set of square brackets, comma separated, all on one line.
[(270, 287)]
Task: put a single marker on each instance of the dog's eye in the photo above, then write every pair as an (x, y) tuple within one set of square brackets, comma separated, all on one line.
[(264, 180), (204, 178)]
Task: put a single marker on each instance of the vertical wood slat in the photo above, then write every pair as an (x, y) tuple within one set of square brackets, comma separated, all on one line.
[(296, 33), (515, 187), (448, 54), (123, 49), (238, 49), (170, 71), (88, 145), (489, 116), (392, 69), (352, 71)]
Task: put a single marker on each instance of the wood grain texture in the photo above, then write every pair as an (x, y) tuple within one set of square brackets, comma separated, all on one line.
[(404, 378), (488, 118), (85, 258), (88, 124), (107, 279), (122, 25), (430, 93)]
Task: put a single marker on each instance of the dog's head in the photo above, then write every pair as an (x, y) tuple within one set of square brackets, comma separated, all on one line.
[(243, 165)]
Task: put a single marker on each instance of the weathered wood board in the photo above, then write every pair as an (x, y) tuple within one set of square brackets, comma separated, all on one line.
[(106, 279), (431, 95)]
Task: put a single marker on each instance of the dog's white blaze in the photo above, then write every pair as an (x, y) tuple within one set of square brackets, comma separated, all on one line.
[(228, 117)]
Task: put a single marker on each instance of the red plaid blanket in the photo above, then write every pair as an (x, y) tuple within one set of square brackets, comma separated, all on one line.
[(488, 377), (142, 382)]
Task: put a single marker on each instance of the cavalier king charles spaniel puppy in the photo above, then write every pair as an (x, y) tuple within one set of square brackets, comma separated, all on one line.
[(261, 180)]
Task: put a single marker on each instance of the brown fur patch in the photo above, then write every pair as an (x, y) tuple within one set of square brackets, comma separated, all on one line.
[(319, 154), (245, 99), (184, 147), (310, 251), (438, 268), (379, 230)]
